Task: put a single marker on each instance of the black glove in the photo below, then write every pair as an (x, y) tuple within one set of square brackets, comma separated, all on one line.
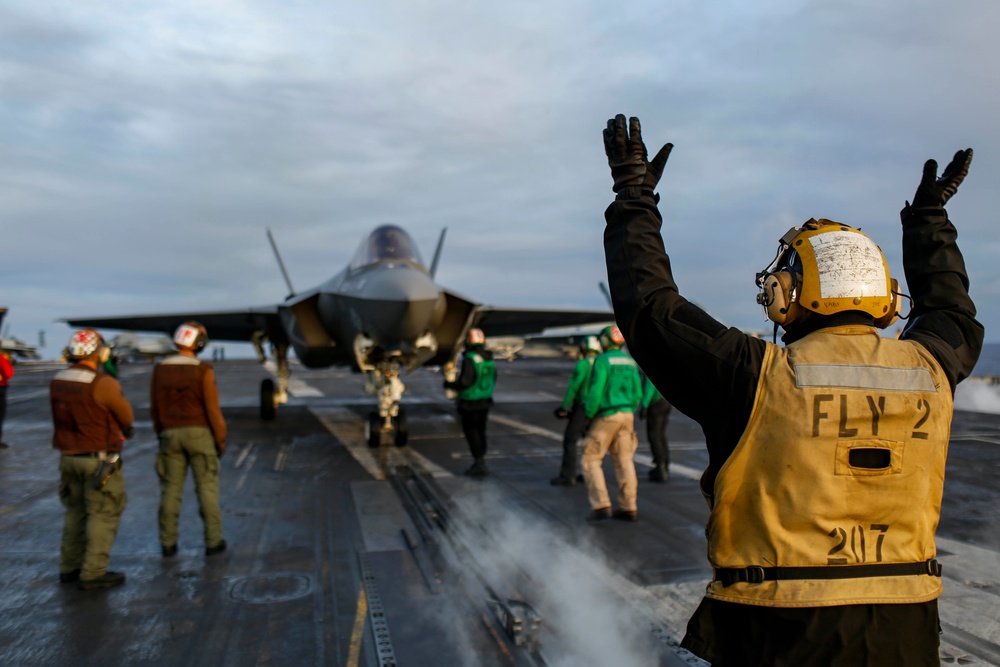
[(627, 156), (129, 432), (561, 413), (934, 191)]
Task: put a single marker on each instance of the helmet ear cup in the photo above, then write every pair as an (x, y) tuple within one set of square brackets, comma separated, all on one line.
[(892, 315), (782, 308), (103, 353)]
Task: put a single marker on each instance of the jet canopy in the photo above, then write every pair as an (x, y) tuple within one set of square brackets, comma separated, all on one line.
[(388, 242)]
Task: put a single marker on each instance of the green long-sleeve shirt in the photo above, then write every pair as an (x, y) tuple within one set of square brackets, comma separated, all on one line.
[(579, 382)]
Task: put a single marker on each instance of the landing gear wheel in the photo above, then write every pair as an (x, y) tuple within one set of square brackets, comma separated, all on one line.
[(402, 433), (373, 430), (267, 400)]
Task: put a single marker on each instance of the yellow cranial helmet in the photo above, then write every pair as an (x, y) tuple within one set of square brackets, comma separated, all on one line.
[(827, 267)]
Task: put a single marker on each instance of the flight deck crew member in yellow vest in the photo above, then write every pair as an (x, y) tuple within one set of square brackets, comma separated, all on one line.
[(826, 455), (184, 406), (92, 418)]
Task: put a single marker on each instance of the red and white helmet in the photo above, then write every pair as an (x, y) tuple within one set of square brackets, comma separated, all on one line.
[(191, 336), (83, 343), (475, 337), (611, 336)]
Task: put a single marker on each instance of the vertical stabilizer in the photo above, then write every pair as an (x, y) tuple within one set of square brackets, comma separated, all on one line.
[(437, 252), (281, 264)]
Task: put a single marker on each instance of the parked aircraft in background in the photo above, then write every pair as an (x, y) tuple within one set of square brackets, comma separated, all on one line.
[(556, 342), (14, 346), (128, 346), (382, 315)]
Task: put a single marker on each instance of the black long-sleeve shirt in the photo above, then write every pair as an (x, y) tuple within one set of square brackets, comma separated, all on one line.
[(711, 372)]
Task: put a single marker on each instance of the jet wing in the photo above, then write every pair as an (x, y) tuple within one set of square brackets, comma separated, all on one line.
[(516, 321), (236, 325)]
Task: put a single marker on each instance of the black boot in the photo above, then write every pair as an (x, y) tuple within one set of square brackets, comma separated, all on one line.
[(478, 468), (659, 474)]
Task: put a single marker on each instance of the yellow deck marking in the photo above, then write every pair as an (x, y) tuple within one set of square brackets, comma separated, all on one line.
[(359, 627)]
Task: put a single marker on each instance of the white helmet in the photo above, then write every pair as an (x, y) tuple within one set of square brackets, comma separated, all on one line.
[(591, 344), (191, 336)]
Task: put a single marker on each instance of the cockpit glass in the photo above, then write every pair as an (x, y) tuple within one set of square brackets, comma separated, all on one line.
[(386, 242)]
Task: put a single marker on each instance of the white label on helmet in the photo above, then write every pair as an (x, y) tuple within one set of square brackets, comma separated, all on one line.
[(186, 335), (849, 265)]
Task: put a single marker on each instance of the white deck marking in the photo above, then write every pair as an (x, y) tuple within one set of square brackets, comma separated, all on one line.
[(675, 468), (246, 473), (243, 455), (296, 387), (279, 459)]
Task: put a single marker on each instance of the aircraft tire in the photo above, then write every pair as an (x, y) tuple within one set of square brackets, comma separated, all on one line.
[(267, 399), (373, 430), (402, 434)]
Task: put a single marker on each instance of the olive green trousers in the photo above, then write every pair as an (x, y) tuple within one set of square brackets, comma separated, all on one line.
[(180, 448), (92, 515)]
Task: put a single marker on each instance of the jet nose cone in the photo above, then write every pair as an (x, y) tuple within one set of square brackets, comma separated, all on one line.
[(401, 283), (404, 303)]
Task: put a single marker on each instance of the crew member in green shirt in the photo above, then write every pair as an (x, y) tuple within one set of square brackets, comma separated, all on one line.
[(574, 409), (612, 398), (475, 384)]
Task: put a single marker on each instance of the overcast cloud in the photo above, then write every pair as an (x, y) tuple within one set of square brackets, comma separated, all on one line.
[(145, 147)]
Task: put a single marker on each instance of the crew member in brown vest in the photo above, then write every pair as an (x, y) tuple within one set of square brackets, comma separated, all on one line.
[(92, 418), (184, 406), (827, 454)]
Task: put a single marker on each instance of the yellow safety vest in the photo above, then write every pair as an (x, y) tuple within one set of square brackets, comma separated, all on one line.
[(840, 470)]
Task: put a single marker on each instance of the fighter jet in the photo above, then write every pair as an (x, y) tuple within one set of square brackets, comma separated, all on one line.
[(129, 346), (382, 315)]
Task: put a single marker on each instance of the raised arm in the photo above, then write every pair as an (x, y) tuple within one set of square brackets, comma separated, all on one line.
[(706, 370), (943, 318)]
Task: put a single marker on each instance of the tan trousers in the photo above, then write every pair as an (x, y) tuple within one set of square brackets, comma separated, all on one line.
[(614, 434)]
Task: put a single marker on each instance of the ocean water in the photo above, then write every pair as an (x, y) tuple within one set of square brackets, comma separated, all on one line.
[(979, 394), (989, 361)]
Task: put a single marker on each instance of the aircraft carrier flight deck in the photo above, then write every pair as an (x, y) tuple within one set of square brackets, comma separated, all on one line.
[(347, 555)]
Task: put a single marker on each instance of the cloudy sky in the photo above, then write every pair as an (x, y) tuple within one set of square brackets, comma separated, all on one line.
[(146, 147)]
